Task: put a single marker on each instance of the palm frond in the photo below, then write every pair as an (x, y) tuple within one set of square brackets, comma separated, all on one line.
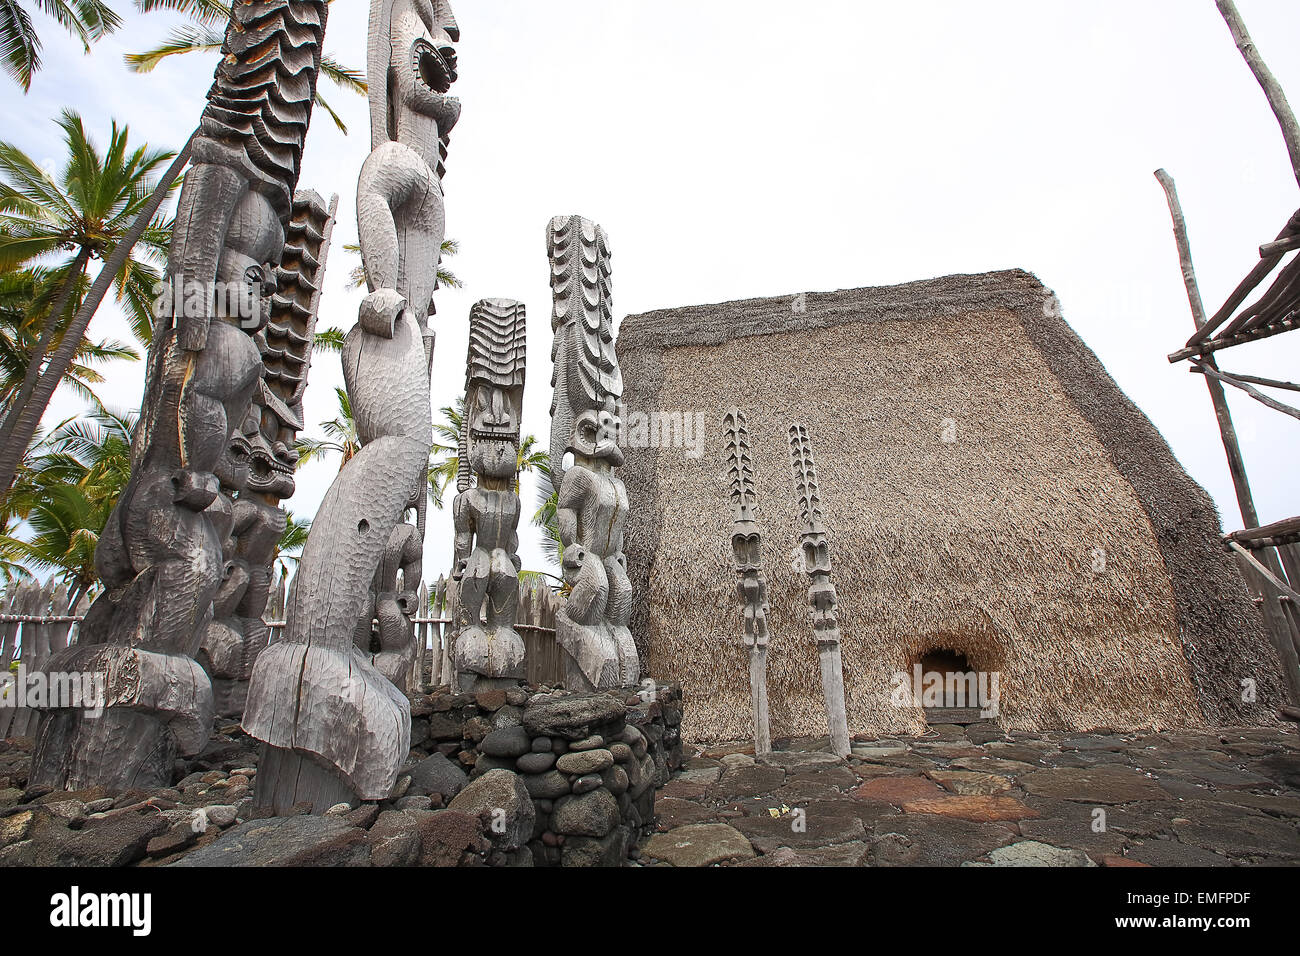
[(196, 39)]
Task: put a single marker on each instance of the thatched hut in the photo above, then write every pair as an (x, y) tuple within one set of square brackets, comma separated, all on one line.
[(991, 496)]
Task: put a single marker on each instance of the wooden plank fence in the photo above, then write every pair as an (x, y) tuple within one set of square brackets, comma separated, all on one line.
[(1276, 594), (35, 624), (434, 629)]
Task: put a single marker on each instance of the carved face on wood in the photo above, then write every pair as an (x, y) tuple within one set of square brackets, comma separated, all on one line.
[(270, 462), (816, 554), (494, 413), (747, 547), (595, 436), (424, 61)]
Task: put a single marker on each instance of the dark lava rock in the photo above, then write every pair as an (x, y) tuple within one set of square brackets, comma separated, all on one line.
[(395, 839), (571, 717), (500, 800), (448, 837), (591, 814), (924, 839), (824, 824), (286, 841), (437, 774), (750, 781)]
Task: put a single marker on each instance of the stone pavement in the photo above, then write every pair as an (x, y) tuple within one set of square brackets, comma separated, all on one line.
[(974, 796)]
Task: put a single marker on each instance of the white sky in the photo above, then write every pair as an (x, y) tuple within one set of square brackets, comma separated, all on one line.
[(735, 149)]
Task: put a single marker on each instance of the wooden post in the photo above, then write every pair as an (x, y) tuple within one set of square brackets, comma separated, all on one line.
[(1275, 616), (1272, 88)]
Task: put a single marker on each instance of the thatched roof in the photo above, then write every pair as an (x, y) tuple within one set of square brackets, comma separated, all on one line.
[(983, 545)]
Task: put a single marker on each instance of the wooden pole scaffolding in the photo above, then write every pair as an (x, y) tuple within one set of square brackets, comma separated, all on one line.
[(1276, 617)]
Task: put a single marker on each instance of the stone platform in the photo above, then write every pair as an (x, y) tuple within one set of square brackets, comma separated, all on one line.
[(974, 796), (525, 776)]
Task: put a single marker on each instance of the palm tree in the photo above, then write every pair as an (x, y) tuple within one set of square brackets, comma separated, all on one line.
[(444, 456), (206, 35), (544, 517), (24, 297), (20, 47), (450, 247), (66, 491), (342, 436), (330, 341), (531, 459), (101, 206), (294, 538)]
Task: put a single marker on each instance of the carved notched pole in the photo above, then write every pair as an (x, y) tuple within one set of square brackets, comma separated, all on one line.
[(264, 443), (488, 651), (592, 502), (161, 555), (821, 593), (335, 728), (747, 551)]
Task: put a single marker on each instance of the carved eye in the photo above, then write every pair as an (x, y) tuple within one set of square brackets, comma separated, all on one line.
[(253, 275)]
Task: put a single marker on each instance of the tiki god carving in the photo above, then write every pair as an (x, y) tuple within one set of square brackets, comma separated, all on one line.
[(747, 552), (486, 516), (592, 502), (162, 556), (821, 592), (335, 727)]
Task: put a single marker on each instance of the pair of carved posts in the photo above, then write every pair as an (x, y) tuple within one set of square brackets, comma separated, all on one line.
[(747, 552)]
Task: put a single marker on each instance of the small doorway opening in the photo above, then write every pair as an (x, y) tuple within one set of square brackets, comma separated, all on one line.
[(950, 687)]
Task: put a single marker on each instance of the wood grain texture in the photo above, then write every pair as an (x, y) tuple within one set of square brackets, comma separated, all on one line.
[(316, 695)]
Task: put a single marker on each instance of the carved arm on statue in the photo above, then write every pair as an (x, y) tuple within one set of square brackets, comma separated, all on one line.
[(380, 311), (463, 524), (567, 502)]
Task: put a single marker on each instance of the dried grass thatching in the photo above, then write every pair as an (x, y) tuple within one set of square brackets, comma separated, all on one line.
[(985, 545)]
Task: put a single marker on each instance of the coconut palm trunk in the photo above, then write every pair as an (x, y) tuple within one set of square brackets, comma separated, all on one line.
[(29, 406)]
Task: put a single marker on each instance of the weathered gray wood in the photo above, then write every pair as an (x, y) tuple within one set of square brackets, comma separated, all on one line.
[(160, 556), (488, 650), (747, 553), (1279, 246), (1227, 432), (1268, 82), (821, 593), (1207, 369), (264, 440), (315, 692), (592, 502), (1282, 628)]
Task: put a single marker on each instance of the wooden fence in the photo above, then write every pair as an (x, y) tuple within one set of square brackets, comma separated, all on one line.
[(35, 624), (535, 623), (1277, 594)]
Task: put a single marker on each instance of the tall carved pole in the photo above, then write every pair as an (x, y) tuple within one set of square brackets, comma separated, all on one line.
[(821, 592), (264, 441), (488, 651), (161, 553), (592, 502), (747, 550), (335, 728)]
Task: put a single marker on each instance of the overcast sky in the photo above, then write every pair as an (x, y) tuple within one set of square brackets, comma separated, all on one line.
[(735, 149)]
